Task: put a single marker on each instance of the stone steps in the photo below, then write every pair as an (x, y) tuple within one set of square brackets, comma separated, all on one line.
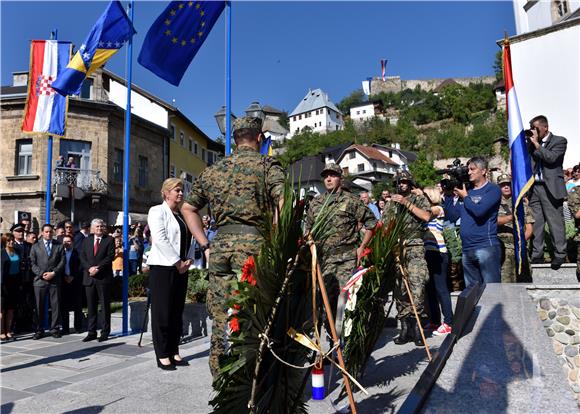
[(542, 274)]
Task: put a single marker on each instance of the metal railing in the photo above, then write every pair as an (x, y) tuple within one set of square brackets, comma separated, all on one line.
[(89, 181)]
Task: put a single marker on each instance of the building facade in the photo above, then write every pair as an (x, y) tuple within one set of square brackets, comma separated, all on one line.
[(316, 112), (535, 15)]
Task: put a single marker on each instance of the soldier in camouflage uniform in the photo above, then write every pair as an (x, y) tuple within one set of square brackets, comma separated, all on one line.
[(505, 233), (413, 260), (239, 189), (342, 249), (574, 206)]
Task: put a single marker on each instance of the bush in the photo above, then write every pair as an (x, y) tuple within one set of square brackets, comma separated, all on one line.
[(138, 285)]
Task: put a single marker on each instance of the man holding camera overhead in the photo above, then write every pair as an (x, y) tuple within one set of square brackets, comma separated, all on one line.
[(549, 190)]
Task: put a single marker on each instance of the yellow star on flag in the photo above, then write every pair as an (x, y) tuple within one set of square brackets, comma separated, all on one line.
[(167, 22), (192, 40), (183, 43), (172, 12), (189, 4), (197, 6), (202, 24), (180, 5), (202, 13), (174, 40), (200, 34), (167, 32)]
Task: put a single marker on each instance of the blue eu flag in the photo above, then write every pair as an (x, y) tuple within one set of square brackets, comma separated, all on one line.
[(176, 36)]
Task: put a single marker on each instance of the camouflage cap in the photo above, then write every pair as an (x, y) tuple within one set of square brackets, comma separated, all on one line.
[(504, 178), (331, 167), (247, 122)]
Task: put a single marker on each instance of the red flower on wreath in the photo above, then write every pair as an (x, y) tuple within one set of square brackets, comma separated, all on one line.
[(248, 271), (366, 252), (237, 306), (234, 325)]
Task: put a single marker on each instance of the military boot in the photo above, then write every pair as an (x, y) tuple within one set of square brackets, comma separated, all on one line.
[(416, 333), (405, 333)]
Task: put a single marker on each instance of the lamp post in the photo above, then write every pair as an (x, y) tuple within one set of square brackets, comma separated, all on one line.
[(220, 118), (255, 110)]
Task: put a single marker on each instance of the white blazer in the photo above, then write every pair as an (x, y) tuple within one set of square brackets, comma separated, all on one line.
[(165, 236)]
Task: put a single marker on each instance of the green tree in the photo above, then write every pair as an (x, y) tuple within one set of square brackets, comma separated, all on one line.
[(355, 98), (498, 65), (423, 171), (284, 120)]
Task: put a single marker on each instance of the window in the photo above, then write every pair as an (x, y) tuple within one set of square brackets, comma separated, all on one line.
[(210, 158), (358, 112), (80, 151), (87, 89), (374, 165), (190, 145), (118, 165), (351, 155), (299, 116), (195, 148), (561, 8), (322, 111), (360, 167), (364, 111), (172, 171), (294, 118), (143, 171), (181, 139), (390, 154), (24, 157), (203, 154), (172, 131)]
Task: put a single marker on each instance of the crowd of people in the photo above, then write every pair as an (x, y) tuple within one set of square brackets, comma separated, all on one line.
[(239, 190)]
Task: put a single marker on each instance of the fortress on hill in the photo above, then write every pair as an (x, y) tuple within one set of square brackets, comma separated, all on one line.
[(396, 84)]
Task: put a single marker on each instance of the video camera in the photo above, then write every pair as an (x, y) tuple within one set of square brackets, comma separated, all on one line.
[(458, 174)]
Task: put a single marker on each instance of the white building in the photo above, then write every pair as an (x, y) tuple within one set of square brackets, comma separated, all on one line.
[(272, 128), (366, 110), (369, 165), (316, 112), (546, 68), (534, 15)]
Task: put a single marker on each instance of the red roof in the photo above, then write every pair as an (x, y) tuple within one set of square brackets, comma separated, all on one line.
[(371, 153)]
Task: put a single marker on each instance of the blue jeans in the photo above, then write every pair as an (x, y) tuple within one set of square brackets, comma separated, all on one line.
[(437, 291), (482, 265)]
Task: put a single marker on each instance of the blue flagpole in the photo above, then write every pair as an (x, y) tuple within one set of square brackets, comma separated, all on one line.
[(126, 178), (228, 78), (53, 36)]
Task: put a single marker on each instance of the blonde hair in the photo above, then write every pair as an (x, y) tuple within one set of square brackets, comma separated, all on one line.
[(169, 185), (433, 194)]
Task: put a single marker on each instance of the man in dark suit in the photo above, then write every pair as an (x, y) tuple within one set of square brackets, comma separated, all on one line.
[(47, 262), (97, 254), (549, 189), (25, 313), (71, 288), (81, 235)]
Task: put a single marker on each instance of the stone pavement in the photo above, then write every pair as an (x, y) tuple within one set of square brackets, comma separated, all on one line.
[(68, 376)]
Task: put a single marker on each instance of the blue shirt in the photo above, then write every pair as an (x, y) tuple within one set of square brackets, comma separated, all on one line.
[(375, 210), (14, 264), (479, 217)]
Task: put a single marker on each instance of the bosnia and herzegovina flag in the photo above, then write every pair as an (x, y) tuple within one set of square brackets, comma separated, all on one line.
[(266, 147), (521, 165), (108, 35), (176, 36)]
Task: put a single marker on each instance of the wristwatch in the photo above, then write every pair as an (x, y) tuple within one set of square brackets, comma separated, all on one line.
[(204, 247)]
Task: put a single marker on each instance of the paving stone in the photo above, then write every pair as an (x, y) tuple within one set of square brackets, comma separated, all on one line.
[(552, 314), (8, 395), (49, 386), (16, 359), (564, 320), (32, 375)]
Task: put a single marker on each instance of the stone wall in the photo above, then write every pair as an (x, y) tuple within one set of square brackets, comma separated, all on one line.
[(559, 311), (396, 84)]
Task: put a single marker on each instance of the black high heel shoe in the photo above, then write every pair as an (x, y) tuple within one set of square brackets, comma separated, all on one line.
[(181, 363), (170, 367)]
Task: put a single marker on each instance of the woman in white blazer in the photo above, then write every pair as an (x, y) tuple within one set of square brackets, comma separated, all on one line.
[(168, 264)]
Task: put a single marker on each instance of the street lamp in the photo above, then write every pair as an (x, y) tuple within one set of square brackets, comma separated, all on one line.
[(220, 118), (255, 110)]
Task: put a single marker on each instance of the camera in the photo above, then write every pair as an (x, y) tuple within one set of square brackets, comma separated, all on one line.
[(530, 132), (458, 176)]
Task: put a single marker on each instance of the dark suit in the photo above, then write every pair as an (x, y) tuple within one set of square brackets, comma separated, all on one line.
[(26, 311), (98, 287), (547, 196), (40, 263), (71, 293)]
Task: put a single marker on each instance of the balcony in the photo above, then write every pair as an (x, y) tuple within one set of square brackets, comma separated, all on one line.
[(87, 181)]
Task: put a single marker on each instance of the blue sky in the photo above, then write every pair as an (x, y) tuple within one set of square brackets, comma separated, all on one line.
[(280, 49)]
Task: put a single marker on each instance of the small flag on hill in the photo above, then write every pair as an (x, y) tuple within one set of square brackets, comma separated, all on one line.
[(107, 36), (176, 36), (45, 110), (383, 68)]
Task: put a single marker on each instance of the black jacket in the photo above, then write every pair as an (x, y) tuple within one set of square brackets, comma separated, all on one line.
[(23, 250), (103, 259)]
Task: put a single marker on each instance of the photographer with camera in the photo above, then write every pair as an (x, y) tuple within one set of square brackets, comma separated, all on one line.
[(549, 189), (481, 249)]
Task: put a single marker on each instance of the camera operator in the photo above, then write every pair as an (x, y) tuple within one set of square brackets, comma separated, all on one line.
[(481, 249), (450, 204), (549, 189)]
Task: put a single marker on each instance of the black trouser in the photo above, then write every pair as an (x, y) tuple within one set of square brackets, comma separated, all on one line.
[(167, 290), (72, 300), (26, 314), (99, 293), (40, 293)]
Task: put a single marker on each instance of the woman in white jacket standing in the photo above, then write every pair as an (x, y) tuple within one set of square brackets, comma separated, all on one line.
[(168, 263)]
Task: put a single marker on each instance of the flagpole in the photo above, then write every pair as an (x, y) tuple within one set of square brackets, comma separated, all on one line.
[(53, 36), (228, 77), (126, 178)]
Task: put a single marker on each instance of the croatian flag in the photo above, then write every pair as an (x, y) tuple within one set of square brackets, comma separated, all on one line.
[(45, 110), (383, 68), (521, 165)]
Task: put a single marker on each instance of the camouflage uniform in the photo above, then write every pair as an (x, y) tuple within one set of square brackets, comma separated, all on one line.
[(505, 234), (338, 253), (414, 262), (574, 206), (239, 189)]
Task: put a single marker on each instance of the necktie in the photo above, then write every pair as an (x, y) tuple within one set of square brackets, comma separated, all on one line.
[(96, 246), (48, 248)]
